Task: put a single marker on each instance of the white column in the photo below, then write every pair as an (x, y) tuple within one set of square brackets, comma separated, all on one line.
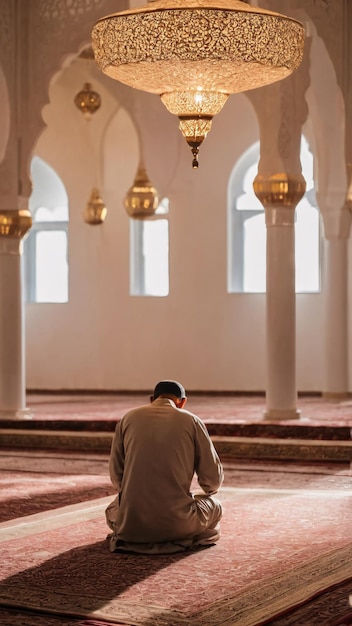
[(335, 285), (280, 195), (281, 394), (13, 225), (336, 323)]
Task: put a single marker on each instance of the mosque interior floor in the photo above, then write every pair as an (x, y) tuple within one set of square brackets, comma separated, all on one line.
[(85, 422), (287, 492)]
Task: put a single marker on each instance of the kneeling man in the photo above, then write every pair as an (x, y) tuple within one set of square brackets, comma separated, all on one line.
[(156, 451)]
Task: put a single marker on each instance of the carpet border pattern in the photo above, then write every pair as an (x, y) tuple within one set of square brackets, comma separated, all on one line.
[(257, 604)]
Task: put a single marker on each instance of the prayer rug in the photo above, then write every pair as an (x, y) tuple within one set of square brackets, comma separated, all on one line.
[(331, 608), (10, 617), (32, 482), (26, 493), (279, 548)]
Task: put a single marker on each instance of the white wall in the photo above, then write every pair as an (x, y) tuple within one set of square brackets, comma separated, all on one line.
[(106, 339)]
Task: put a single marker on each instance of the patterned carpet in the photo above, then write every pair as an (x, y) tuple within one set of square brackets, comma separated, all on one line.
[(26, 495), (331, 608), (284, 558), (209, 407), (229, 411), (33, 482), (321, 611), (273, 540)]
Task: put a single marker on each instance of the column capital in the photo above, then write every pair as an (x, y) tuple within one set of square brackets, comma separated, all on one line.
[(279, 190), (15, 223)]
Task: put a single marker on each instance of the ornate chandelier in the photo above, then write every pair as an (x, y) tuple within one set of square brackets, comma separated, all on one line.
[(195, 53)]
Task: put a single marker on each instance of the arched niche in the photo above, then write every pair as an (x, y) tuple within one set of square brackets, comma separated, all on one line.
[(70, 143), (121, 152), (326, 123)]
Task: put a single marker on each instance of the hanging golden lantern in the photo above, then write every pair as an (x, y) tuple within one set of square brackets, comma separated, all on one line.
[(141, 200), (95, 211), (87, 100)]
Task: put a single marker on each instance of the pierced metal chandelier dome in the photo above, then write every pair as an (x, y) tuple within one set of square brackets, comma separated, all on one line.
[(195, 53)]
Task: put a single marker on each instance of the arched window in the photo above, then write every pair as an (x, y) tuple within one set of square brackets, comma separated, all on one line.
[(247, 231), (149, 254), (46, 247)]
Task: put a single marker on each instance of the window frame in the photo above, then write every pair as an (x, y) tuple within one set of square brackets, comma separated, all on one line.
[(137, 283), (238, 217), (30, 254)]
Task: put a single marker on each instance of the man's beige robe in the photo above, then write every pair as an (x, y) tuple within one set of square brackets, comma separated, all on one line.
[(156, 451)]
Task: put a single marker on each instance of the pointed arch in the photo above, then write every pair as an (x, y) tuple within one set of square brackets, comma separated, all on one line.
[(247, 231)]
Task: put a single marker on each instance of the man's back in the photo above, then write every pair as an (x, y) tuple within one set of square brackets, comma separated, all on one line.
[(156, 451), (158, 448)]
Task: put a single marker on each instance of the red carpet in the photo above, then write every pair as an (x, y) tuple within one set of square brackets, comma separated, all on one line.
[(9, 617), (209, 407), (277, 550), (33, 482), (324, 610), (321, 611), (228, 415), (25, 495), (284, 558), (51, 480), (225, 409)]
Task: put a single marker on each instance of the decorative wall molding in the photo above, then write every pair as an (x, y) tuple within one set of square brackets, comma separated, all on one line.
[(282, 110), (36, 39), (294, 110), (328, 18)]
